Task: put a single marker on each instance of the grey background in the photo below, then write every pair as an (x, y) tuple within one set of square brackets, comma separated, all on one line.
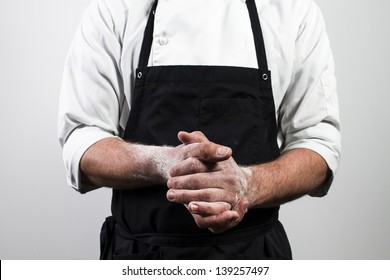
[(42, 218)]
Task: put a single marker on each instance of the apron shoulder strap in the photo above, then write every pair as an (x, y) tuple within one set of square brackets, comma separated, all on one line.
[(148, 39), (257, 35)]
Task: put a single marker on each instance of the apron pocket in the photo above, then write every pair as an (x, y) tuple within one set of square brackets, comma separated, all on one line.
[(106, 238), (236, 123)]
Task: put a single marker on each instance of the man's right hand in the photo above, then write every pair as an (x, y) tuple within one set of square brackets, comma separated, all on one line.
[(204, 159)]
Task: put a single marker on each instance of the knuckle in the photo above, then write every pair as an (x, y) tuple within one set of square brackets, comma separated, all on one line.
[(174, 170), (207, 196), (226, 206), (231, 179), (193, 164), (208, 150), (199, 133), (203, 147), (205, 209), (232, 199), (192, 183), (201, 222), (175, 184), (171, 183), (185, 151)]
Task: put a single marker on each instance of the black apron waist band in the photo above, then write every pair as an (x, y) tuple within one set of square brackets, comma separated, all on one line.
[(183, 240)]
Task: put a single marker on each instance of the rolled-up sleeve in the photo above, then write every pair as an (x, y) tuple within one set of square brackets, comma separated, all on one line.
[(91, 89), (309, 112)]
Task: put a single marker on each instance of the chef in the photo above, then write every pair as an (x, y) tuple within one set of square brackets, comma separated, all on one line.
[(203, 116)]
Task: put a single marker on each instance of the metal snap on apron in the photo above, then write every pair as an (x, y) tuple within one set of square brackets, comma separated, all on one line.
[(232, 106)]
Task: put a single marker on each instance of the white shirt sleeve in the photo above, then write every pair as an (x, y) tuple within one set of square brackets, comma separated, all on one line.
[(308, 114), (91, 96)]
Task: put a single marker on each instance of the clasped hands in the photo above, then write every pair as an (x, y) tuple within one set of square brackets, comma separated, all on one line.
[(207, 180)]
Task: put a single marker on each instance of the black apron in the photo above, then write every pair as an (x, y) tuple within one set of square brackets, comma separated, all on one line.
[(232, 106)]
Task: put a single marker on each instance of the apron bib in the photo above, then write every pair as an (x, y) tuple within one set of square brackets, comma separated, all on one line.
[(232, 106)]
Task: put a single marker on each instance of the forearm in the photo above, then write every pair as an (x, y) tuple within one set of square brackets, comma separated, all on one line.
[(292, 175), (115, 163), (207, 189)]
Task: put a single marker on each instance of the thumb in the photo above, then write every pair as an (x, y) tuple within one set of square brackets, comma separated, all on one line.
[(193, 137), (203, 149)]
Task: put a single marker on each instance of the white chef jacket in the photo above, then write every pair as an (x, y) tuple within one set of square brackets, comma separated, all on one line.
[(98, 80)]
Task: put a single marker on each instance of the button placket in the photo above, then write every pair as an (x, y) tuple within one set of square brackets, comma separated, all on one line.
[(160, 38)]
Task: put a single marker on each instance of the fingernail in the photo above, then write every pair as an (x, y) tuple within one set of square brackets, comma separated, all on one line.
[(222, 151), (194, 207), (171, 195)]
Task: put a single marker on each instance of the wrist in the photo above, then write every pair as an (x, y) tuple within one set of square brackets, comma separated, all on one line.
[(247, 190), (163, 159), (154, 161)]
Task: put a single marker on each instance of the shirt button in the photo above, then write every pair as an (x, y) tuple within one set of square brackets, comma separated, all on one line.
[(162, 41)]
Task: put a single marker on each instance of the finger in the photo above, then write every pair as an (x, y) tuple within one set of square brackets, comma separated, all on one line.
[(196, 181), (191, 166), (199, 181), (207, 208), (193, 137), (208, 187), (205, 195), (187, 196), (241, 207), (217, 222), (207, 151)]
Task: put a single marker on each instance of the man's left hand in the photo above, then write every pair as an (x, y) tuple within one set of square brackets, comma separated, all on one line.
[(214, 192)]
